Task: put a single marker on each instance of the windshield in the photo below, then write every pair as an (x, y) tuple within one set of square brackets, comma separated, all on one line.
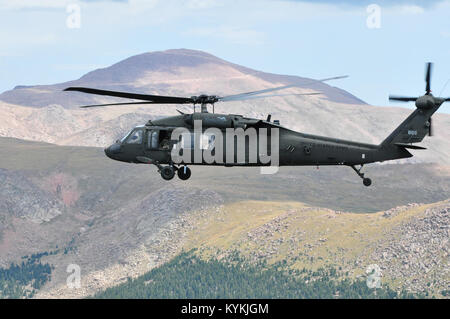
[(126, 135), (135, 137)]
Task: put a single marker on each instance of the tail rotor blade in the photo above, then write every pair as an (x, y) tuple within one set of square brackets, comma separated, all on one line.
[(428, 77), (401, 98), (430, 128)]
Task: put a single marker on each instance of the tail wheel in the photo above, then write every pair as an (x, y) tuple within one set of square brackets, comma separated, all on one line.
[(184, 173), (167, 173), (367, 181)]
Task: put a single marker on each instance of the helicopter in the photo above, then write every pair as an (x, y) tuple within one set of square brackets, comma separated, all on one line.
[(154, 143)]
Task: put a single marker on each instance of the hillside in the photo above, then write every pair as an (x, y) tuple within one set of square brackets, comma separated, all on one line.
[(117, 220), (409, 243), (166, 72), (188, 276), (290, 250), (46, 113)]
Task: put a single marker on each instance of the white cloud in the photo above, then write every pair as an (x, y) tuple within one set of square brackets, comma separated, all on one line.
[(29, 4), (28, 39), (77, 67), (234, 35), (143, 3), (411, 9), (203, 4)]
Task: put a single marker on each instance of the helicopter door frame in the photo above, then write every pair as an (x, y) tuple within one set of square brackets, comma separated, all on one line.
[(156, 141)]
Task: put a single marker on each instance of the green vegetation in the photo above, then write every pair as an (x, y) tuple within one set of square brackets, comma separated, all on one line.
[(189, 276), (24, 279)]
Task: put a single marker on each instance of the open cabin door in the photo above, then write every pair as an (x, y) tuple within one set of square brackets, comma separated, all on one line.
[(158, 140), (157, 144)]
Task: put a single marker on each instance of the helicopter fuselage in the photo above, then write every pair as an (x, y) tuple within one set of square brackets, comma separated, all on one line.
[(156, 146)]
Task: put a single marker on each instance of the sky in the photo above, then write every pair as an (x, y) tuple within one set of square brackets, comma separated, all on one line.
[(382, 45)]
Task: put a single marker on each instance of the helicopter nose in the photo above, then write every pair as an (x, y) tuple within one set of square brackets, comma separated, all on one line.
[(108, 152), (112, 149)]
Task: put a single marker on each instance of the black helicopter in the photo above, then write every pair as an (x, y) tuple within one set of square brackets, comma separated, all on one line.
[(153, 143)]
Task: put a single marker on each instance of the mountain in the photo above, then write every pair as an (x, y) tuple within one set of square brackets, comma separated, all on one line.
[(118, 220), (45, 113), (182, 72)]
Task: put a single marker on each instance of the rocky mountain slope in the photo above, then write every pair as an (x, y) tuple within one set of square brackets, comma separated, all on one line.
[(117, 220), (409, 243), (45, 113)]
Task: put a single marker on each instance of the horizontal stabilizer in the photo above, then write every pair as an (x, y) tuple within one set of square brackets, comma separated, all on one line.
[(413, 147)]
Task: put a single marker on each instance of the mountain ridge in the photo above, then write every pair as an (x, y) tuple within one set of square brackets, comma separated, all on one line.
[(122, 74)]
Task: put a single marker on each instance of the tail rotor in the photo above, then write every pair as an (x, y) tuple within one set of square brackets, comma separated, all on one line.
[(426, 101)]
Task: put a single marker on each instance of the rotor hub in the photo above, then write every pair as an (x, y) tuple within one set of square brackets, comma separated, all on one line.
[(425, 102), (205, 99)]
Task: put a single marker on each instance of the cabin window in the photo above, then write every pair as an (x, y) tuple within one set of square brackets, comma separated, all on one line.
[(153, 139), (135, 137)]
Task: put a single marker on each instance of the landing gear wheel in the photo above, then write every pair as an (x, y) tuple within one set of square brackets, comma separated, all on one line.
[(184, 173), (367, 181), (167, 172)]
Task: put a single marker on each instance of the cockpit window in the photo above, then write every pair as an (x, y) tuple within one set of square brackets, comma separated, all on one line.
[(125, 137), (135, 137)]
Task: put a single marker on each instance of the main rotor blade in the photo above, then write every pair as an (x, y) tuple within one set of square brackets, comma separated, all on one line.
[(428, 77), (401, 98), (109, 104), (238, 96), (244, 98), (159, 99), (333, 78), (154, 99), (242, 95)]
